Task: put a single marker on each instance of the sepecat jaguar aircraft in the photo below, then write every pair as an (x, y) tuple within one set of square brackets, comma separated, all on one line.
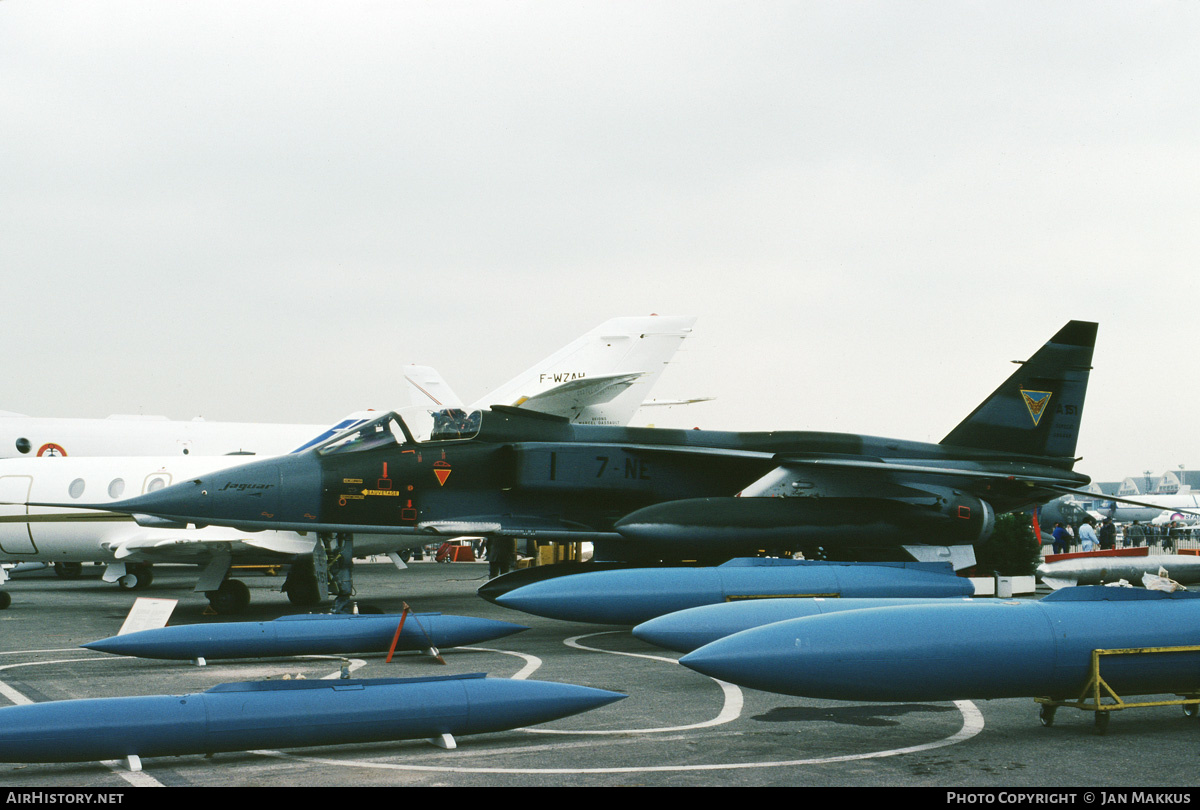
[(654, 494)]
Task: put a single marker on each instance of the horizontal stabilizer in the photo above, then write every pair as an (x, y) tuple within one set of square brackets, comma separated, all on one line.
[(798, 469)]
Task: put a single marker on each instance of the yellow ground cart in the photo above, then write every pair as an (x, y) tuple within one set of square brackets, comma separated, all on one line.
[(1095, 694)]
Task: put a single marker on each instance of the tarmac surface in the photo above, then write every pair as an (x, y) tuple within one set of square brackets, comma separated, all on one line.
[(676, 728)]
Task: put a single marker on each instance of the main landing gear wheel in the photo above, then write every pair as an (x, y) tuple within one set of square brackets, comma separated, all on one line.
[(68, 570), (1101, 723), (1046, 715), (138, 577), (1191, 710), (5, 599), (232, 597), (301, 585)]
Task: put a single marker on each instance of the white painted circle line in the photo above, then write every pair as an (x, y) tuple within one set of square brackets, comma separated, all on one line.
[(532, 662), (972, 725), (731, 708)]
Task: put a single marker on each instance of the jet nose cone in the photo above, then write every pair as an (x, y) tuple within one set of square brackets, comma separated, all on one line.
[(272, 491), (178, 499)]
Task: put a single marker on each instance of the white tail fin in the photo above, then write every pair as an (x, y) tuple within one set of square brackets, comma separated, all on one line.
[(630, 352), (428, 388)]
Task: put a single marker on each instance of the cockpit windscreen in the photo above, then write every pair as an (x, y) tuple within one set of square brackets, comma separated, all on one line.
[(417, 425)]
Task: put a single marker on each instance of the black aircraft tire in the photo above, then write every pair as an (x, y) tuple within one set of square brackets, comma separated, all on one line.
[(145, 575), (232, 597), (68, 570), (1046, 715), (1191, 710), (1102, 723), (303, 593), (5, 599)]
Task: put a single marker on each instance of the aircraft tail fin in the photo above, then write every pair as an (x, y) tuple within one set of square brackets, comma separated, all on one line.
[(1037, 410), (428, 388), (620, 346)]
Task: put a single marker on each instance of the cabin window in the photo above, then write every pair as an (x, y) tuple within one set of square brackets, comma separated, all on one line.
[(116, 488), (23, 445), (76, 488)]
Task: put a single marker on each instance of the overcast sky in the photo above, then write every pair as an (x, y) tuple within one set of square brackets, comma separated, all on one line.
[(260, 211)]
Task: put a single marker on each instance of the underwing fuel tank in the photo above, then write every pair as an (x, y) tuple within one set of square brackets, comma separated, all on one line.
[(319, 634), (284, 714), (635, 595), (952, 651), (704, 524), (690, 629)]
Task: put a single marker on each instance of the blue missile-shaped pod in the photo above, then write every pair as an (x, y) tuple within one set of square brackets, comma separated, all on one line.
[(954, 651), (690, 629), (318, 634), (284, 714), (638, 594)]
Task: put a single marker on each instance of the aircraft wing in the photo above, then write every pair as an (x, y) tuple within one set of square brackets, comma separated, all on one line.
[(799, 470), (199, 545), (514, 526)]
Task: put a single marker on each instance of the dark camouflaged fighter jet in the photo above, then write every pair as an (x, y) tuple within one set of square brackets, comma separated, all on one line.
[(648, 493)]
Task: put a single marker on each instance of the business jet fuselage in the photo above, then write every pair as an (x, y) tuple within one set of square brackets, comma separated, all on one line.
[(68, 537)]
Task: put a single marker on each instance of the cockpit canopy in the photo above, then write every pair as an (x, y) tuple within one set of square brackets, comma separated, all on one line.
[(418, 425)]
